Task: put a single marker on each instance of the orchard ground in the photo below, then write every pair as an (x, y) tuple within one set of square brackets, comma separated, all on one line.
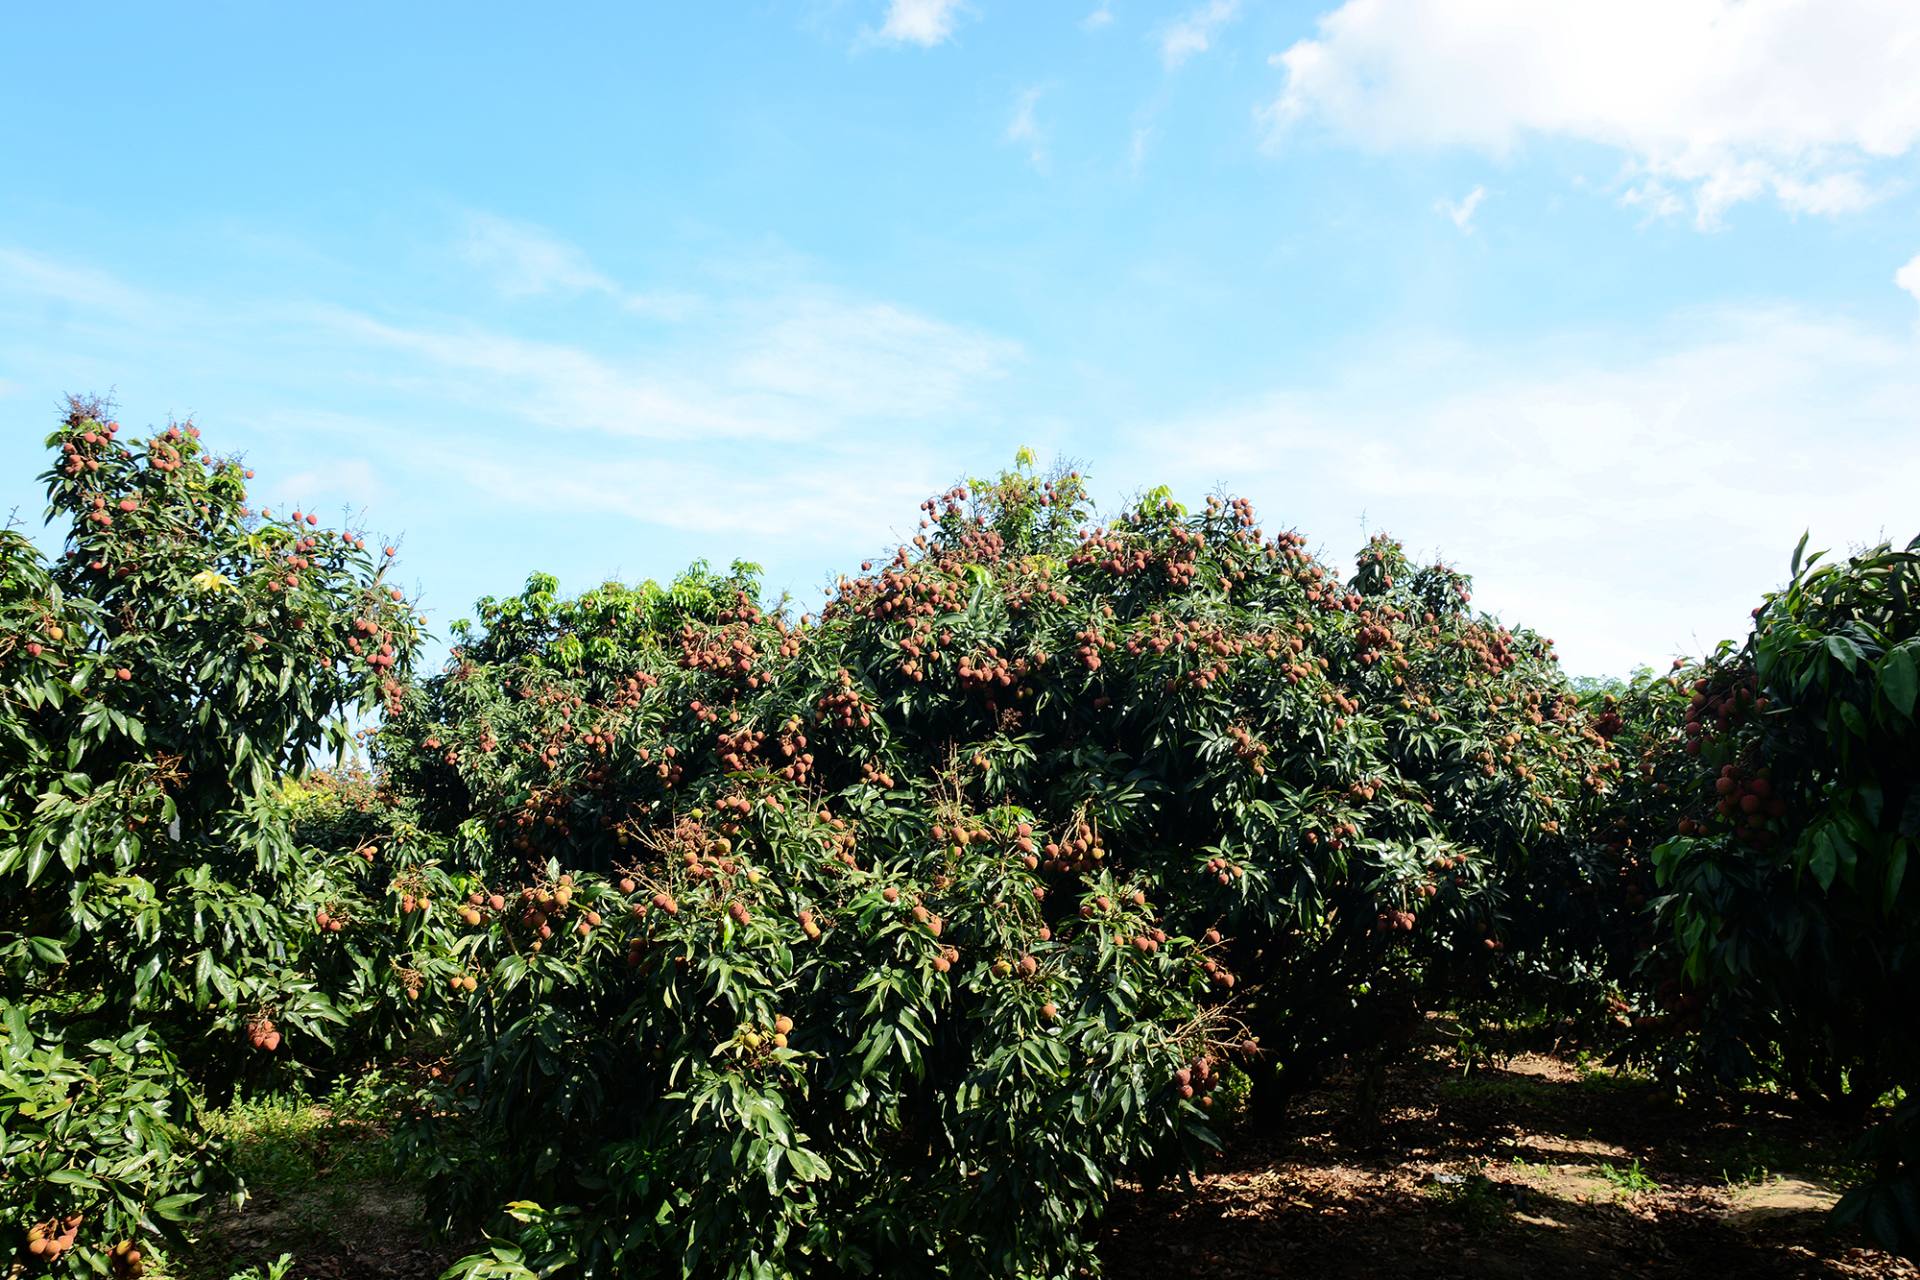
[(1541, 1163)]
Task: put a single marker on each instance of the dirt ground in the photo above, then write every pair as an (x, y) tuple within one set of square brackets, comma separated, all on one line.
[(1537, 1170)]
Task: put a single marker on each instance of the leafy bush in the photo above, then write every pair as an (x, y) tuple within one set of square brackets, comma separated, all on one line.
[(180, 656), (96, 1149), (1031, 823), (1788, 895), (161, 682)]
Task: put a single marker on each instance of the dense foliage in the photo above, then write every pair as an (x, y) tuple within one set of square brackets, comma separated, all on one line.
[(886, 941), (1031, 824), (91, 1140), (178, 659), (1787, 896)]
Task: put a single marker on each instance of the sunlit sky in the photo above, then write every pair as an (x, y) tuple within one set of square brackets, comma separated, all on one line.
[(1604, 303)]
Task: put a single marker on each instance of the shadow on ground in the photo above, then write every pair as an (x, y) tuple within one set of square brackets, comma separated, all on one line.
[(1535, 1171)]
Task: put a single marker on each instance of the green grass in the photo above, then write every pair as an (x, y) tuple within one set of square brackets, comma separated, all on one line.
[(285, 1142), (1501, 1089), (1598, 1073), (1476, 1200), (311, 1170), (1749, 1160), (1630, 1181)]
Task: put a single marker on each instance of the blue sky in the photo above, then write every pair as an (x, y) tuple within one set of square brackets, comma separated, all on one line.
[(1605, 303)]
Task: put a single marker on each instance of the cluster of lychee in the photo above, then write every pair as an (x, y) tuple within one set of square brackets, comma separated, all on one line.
[(541, 905), (262, 1034), (80, 449), (127, 1260), (1092, 644), (53, 1237), (843, 706), (757, 1040), (378, 646), (1747, 801), (1079, 850), (628, 693), (1222, 870), (1217, 973), (922, 916), (1395, 921), (730, 651)]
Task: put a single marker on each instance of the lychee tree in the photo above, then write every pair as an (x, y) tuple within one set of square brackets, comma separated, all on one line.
[(1034, 818), (97, 1156), (179, 657), (1791, 913)]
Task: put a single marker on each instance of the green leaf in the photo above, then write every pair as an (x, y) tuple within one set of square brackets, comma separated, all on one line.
[(1899, 679), (1825, 862), (175, 1208)]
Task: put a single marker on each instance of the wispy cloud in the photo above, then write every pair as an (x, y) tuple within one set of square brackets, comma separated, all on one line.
[(1138, 145), (78, 285), (1194, 33), (1460, 212), (839, 497), (1908, 277), (1569, 474), (922, 22), (835, 360), (1100, 17), (1710, 102), (778, 369), (525, 261), (557, 385), (1024, 129)]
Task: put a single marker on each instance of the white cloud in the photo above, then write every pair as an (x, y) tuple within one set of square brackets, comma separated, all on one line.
[(1025, 130), (82, 287), (1138, 146), (352, 481), (827, 360), (785, 368), (1631, 498), (1908, 277), (842, 499), (1710, 102), (1460, 212), (1099, 17), (525, 261), (1195, 32), (775, 356), (922, 22)]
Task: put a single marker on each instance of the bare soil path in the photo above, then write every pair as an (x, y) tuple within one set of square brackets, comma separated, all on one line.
[(1539, 1170)]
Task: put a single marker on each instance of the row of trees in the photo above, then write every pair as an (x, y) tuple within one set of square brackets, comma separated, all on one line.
[(885, 941)]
